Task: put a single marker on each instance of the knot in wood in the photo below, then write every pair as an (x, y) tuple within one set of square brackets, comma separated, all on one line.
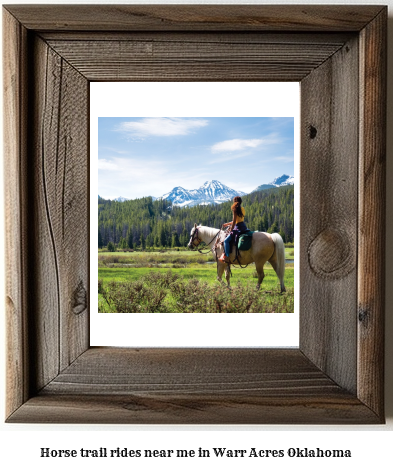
[(80, 299), (363, 316), (330, 254), (313, 132)]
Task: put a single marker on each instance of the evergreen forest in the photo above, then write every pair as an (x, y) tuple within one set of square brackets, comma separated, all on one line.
[(147, 223)]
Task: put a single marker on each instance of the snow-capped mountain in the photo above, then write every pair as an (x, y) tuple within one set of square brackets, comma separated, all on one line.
[(121, 199), (180, 196), (284, 180), (211, 192)]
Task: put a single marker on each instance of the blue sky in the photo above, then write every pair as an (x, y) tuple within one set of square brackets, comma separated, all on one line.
[(150, 156)]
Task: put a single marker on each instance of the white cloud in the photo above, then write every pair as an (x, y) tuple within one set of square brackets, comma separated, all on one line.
[(236, 144), (134, 177), (107, 165), (161, 127)]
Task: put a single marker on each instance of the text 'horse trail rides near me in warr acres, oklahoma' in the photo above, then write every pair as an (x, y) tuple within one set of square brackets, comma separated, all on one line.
[(264, 248)]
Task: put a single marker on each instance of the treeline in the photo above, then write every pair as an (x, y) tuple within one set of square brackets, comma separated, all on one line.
[(144, 223)]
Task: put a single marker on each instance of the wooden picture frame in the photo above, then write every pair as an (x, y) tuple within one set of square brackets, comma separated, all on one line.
[(338, 54)]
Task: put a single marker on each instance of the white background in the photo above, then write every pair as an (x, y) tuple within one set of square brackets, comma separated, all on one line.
[(229, 99), (370, 445)]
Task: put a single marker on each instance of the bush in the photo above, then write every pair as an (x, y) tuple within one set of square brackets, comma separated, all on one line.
[(170, 293), (189, 295), (134, 297), (161, 280)]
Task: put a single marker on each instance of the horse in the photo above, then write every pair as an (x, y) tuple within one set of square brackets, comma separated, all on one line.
[(264, 248)]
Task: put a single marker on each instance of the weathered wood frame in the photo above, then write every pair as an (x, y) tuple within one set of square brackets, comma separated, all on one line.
[(338, 53)]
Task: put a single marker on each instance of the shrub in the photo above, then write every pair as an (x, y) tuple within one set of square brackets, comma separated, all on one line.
[(170, 293), (190, 296), (161, 280), (134, 297)]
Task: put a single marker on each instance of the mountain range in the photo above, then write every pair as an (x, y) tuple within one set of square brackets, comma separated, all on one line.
[(121, 199), (213, 192), (283, 180)]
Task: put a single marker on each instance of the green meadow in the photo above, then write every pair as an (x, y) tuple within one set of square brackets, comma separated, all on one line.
[(185, 281)]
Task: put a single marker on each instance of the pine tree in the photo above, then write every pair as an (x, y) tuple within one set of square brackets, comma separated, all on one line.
[(162, 237), (267, 210), (273, 228), (130, 241), (175, 240)]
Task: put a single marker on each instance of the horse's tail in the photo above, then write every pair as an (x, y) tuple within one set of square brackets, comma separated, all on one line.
[(278, 259)]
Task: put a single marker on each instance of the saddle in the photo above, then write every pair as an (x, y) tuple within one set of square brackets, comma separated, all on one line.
[(245, 240), (241, 241)]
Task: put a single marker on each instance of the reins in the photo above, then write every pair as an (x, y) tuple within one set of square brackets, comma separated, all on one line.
[(196, 246), (239, 264)]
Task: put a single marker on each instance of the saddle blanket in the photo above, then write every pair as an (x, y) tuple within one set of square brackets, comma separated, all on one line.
[(245, 240)]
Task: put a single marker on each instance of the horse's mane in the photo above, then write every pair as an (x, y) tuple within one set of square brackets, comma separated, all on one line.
[(210, 230)]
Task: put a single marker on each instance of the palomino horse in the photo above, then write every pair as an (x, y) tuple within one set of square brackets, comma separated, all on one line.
[(265, 248)]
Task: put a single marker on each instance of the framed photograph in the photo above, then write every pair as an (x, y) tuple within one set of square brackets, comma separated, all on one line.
[(205, 142), (337, 54)]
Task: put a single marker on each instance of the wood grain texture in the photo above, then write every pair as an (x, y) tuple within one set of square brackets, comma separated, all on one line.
[(201, 37), (61, 220), (44, 277), (194, 385), (239, 409), (195, 17), (328, 213), (208, 371), (186, 59), (14, 112), (372, 198), (335, 377)]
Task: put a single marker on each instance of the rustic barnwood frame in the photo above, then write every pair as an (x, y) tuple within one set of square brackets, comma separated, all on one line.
[(338, 54)]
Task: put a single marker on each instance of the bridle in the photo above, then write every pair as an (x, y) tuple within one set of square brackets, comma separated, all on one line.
[(194, 236)]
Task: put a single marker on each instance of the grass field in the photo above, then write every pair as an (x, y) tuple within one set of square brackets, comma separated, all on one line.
[(171, 257), (185, 281)]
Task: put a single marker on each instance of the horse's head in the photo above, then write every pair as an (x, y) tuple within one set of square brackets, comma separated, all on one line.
[(195, 240)]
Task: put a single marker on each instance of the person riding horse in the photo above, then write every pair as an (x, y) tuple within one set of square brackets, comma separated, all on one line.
[(237, 227)]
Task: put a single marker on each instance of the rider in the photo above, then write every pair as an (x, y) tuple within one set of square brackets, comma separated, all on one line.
[(237, 227)]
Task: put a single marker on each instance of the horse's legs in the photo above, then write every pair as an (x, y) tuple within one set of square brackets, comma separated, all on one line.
[(261, 274), (221, 266), (274, 263), (220, 270), (228, 275)]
